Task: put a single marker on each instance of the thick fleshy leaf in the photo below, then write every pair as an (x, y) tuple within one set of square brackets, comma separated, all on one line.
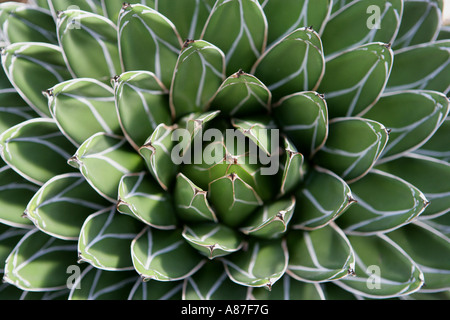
[(411, 116), (15, 194), (62, 204), (105, 240), (383, 269), (352, 147), (10, 292), (191, 202), (83, 107), (356, 78), (290, 289), (440, 223), (421, 22), (303, 117), (427, 247), (199, 72), (262, 263), (98, 57), (212, 239), (270, 221), (9, 237), (369, 21), (429, 175), (140, 196), (261, 130), (94, 6), (283, 16), (242, 94), (233, 199), (435, 296), (384, 202), (141, 103), (189, 16), (96, 284), (320, 255), (13, 110), (24, 23), (148, 41), (157, 254), (444, 33), (293, 168), (322, 198), (239, 29), (437, 145), (39, 262), (212, 283), (430, 74), (36, 149), (156, 290), (293, 64), (33, 68), (157, 156), (103, 159)]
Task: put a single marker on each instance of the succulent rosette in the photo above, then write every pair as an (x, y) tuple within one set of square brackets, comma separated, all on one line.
[(229, 149)]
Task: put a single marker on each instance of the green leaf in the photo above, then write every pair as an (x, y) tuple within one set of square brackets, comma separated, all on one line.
[(36, 149), (293, 64), (383, 269), (261, 130), (211, 282), (141, 197), (199, 72), (242, 94), (13, 110), (290, 289), (189, 16), (440, 223), (384, 202), (356, 78), (105, 240), (157, 254), (98, 57), (322, 198), (86, 5), (33, 68), (320, 255), (430, 175), (212, 239), (437, 145), (293, 169), (156, 290), (270, 221), (96, 284), (191, 201), (412, 118), (284, 16), (39, 262), (352, 147), (15, 194), (60, 207), (103, 159), (148, 41), (421, 22), (9, 237), (141, 104), (24, 23), (303, 117), (157, 156), (83, 107), (262, 264), (361, 22), (431, 74), (239, 29), (426, 246), (233, 199)]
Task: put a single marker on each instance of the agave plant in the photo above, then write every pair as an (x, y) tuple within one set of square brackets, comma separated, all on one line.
[(118, 178)]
